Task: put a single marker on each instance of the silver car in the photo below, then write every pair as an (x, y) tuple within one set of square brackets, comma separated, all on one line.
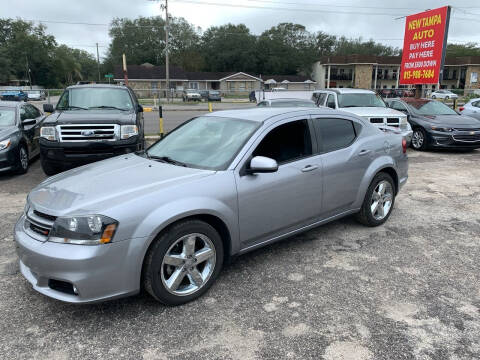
[(218, 186), (471, 108)]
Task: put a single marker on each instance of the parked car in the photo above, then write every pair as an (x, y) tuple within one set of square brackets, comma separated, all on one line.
[(443, 94), (203, 94), (217, 186), (403, 93), (471, 108), (14, 95), (19, 131), (36, 95), (191, 95), (214, 95), (435, 125), (364, 103), (385, 93), (90, 123), (286, 103)]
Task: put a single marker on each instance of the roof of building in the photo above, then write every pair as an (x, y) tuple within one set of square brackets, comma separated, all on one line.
[(346, 91), (287, 78)]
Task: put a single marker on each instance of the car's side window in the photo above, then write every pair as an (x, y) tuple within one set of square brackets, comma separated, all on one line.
[(33, 112), (63, 102), (287, 142), (398, 106), (335, 134), (262, 104), (321, 99), (331, 101), (476, 104), (23, 113)]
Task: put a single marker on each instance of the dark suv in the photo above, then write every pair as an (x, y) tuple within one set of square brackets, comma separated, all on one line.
[(90, 123)]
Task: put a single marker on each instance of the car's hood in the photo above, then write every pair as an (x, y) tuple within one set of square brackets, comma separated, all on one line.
[(6, 131), (373, 111), (91, 116), (105, 184), (453, 120)]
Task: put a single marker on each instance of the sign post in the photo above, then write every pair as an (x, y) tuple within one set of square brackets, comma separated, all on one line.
[(109, 77), (424, 48)]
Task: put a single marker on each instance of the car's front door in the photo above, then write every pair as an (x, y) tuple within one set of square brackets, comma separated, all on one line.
[(34, 113), (345, 161), (271, 204), (28, 129)]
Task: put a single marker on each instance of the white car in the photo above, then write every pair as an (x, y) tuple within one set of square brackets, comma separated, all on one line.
[(364, 103), (471, 108), (443, 94), (36, 95)]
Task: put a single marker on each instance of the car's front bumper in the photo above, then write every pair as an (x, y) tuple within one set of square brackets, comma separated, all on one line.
[(458, 140), (98, 273), (71, 154)]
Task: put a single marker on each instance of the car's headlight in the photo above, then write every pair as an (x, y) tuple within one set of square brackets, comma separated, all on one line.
[(5, 144), (441, 129), (127, 131), (83, 230), (49, 133)]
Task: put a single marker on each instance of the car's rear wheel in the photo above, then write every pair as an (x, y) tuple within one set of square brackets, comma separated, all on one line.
[(379, 201), (434, 97), (22, 159), (419, 139), (183, 262), (447, 97)]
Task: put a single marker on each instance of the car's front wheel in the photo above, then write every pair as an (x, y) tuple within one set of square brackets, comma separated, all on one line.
[(183, 262), (48, 168), (379, 200), (419, 139), (22, 166), (434, 97)]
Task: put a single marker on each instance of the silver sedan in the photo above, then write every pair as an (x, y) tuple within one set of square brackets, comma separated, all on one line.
[(218, 186), (471, 108)]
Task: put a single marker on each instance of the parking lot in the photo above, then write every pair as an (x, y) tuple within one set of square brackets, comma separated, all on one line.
[(407, 289)]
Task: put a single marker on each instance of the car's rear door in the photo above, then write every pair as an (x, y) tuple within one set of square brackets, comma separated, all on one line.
[(345, 160), (271, 204)]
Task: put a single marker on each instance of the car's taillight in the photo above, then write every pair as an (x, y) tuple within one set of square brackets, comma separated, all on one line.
[(461, 108), (404, 145)]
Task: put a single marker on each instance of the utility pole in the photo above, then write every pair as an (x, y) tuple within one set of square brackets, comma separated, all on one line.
[(98, 64), (167, 49)]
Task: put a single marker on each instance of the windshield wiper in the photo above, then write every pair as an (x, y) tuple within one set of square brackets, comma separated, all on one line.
[(107, 107), (166, 159), (72, 107)]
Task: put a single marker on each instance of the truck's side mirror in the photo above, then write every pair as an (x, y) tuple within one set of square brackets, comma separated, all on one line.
[(139, 108), (48, 108)]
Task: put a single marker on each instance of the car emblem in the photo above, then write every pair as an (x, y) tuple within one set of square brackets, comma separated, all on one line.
[(472, 132), (88, 132)]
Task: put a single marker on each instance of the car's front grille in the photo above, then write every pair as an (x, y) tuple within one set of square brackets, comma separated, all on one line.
[(466, 129), (38, 225), (467, 138), (88, 132), (390, 121)]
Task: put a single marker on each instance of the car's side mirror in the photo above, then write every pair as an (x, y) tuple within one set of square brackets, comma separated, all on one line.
[(48, 108), (262, 164), (139, 108), (28, 122)]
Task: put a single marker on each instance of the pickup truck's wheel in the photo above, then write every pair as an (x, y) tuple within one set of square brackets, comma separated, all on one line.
[(379, 201), (48, 168), (183, 262), (22, 159), (419, 139)]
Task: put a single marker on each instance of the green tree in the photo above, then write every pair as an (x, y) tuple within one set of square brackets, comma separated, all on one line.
[(346, 46), (469, 49)]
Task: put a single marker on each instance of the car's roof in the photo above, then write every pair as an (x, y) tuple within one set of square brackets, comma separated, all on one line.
[(290, 99), (263, 114), (113, 86), (10, 103), (347, 91)]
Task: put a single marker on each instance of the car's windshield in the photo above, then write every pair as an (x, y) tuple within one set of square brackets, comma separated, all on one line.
[(205, 142), (431, 107), (360, 100), (7, 116), (95, 98), (292, 103), (214, 93)]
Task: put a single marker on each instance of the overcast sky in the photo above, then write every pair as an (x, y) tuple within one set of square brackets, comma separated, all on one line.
[(347, 17)]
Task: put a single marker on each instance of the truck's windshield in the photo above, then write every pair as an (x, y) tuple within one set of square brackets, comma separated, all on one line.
[(95, 98), (360, 100)]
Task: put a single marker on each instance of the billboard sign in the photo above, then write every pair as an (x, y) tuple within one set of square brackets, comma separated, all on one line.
[(424, 47)]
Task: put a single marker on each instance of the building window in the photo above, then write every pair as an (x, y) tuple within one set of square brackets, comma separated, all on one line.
[(193, 85)]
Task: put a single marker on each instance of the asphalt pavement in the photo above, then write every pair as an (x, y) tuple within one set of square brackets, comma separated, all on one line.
[(409, 289)]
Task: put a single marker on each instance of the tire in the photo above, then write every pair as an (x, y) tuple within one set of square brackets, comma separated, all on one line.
[(419, 139), (366, 215), (156, 274), (446, 97), (22, 159), (434, 97), (48, 168)]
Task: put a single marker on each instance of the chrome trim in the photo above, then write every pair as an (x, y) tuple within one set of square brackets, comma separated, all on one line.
[(64, 131)]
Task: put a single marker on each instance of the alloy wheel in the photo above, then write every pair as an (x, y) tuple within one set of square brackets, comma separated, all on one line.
[(417, 139), (188, 264), (23, 158), (382, 199)]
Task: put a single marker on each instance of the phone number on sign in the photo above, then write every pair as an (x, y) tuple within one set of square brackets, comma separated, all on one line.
[(419, 74)]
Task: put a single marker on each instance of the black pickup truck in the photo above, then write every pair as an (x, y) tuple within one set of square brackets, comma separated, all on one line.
[(90, 123)]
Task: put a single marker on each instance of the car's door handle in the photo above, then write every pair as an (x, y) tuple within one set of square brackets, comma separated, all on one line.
[(364, 152), (309, 168)]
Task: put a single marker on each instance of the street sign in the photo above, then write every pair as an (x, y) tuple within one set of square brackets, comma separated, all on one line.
[(424, 47), (109, 76)]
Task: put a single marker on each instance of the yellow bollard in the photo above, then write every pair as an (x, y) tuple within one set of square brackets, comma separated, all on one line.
[(160, 119), (210, 107)]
